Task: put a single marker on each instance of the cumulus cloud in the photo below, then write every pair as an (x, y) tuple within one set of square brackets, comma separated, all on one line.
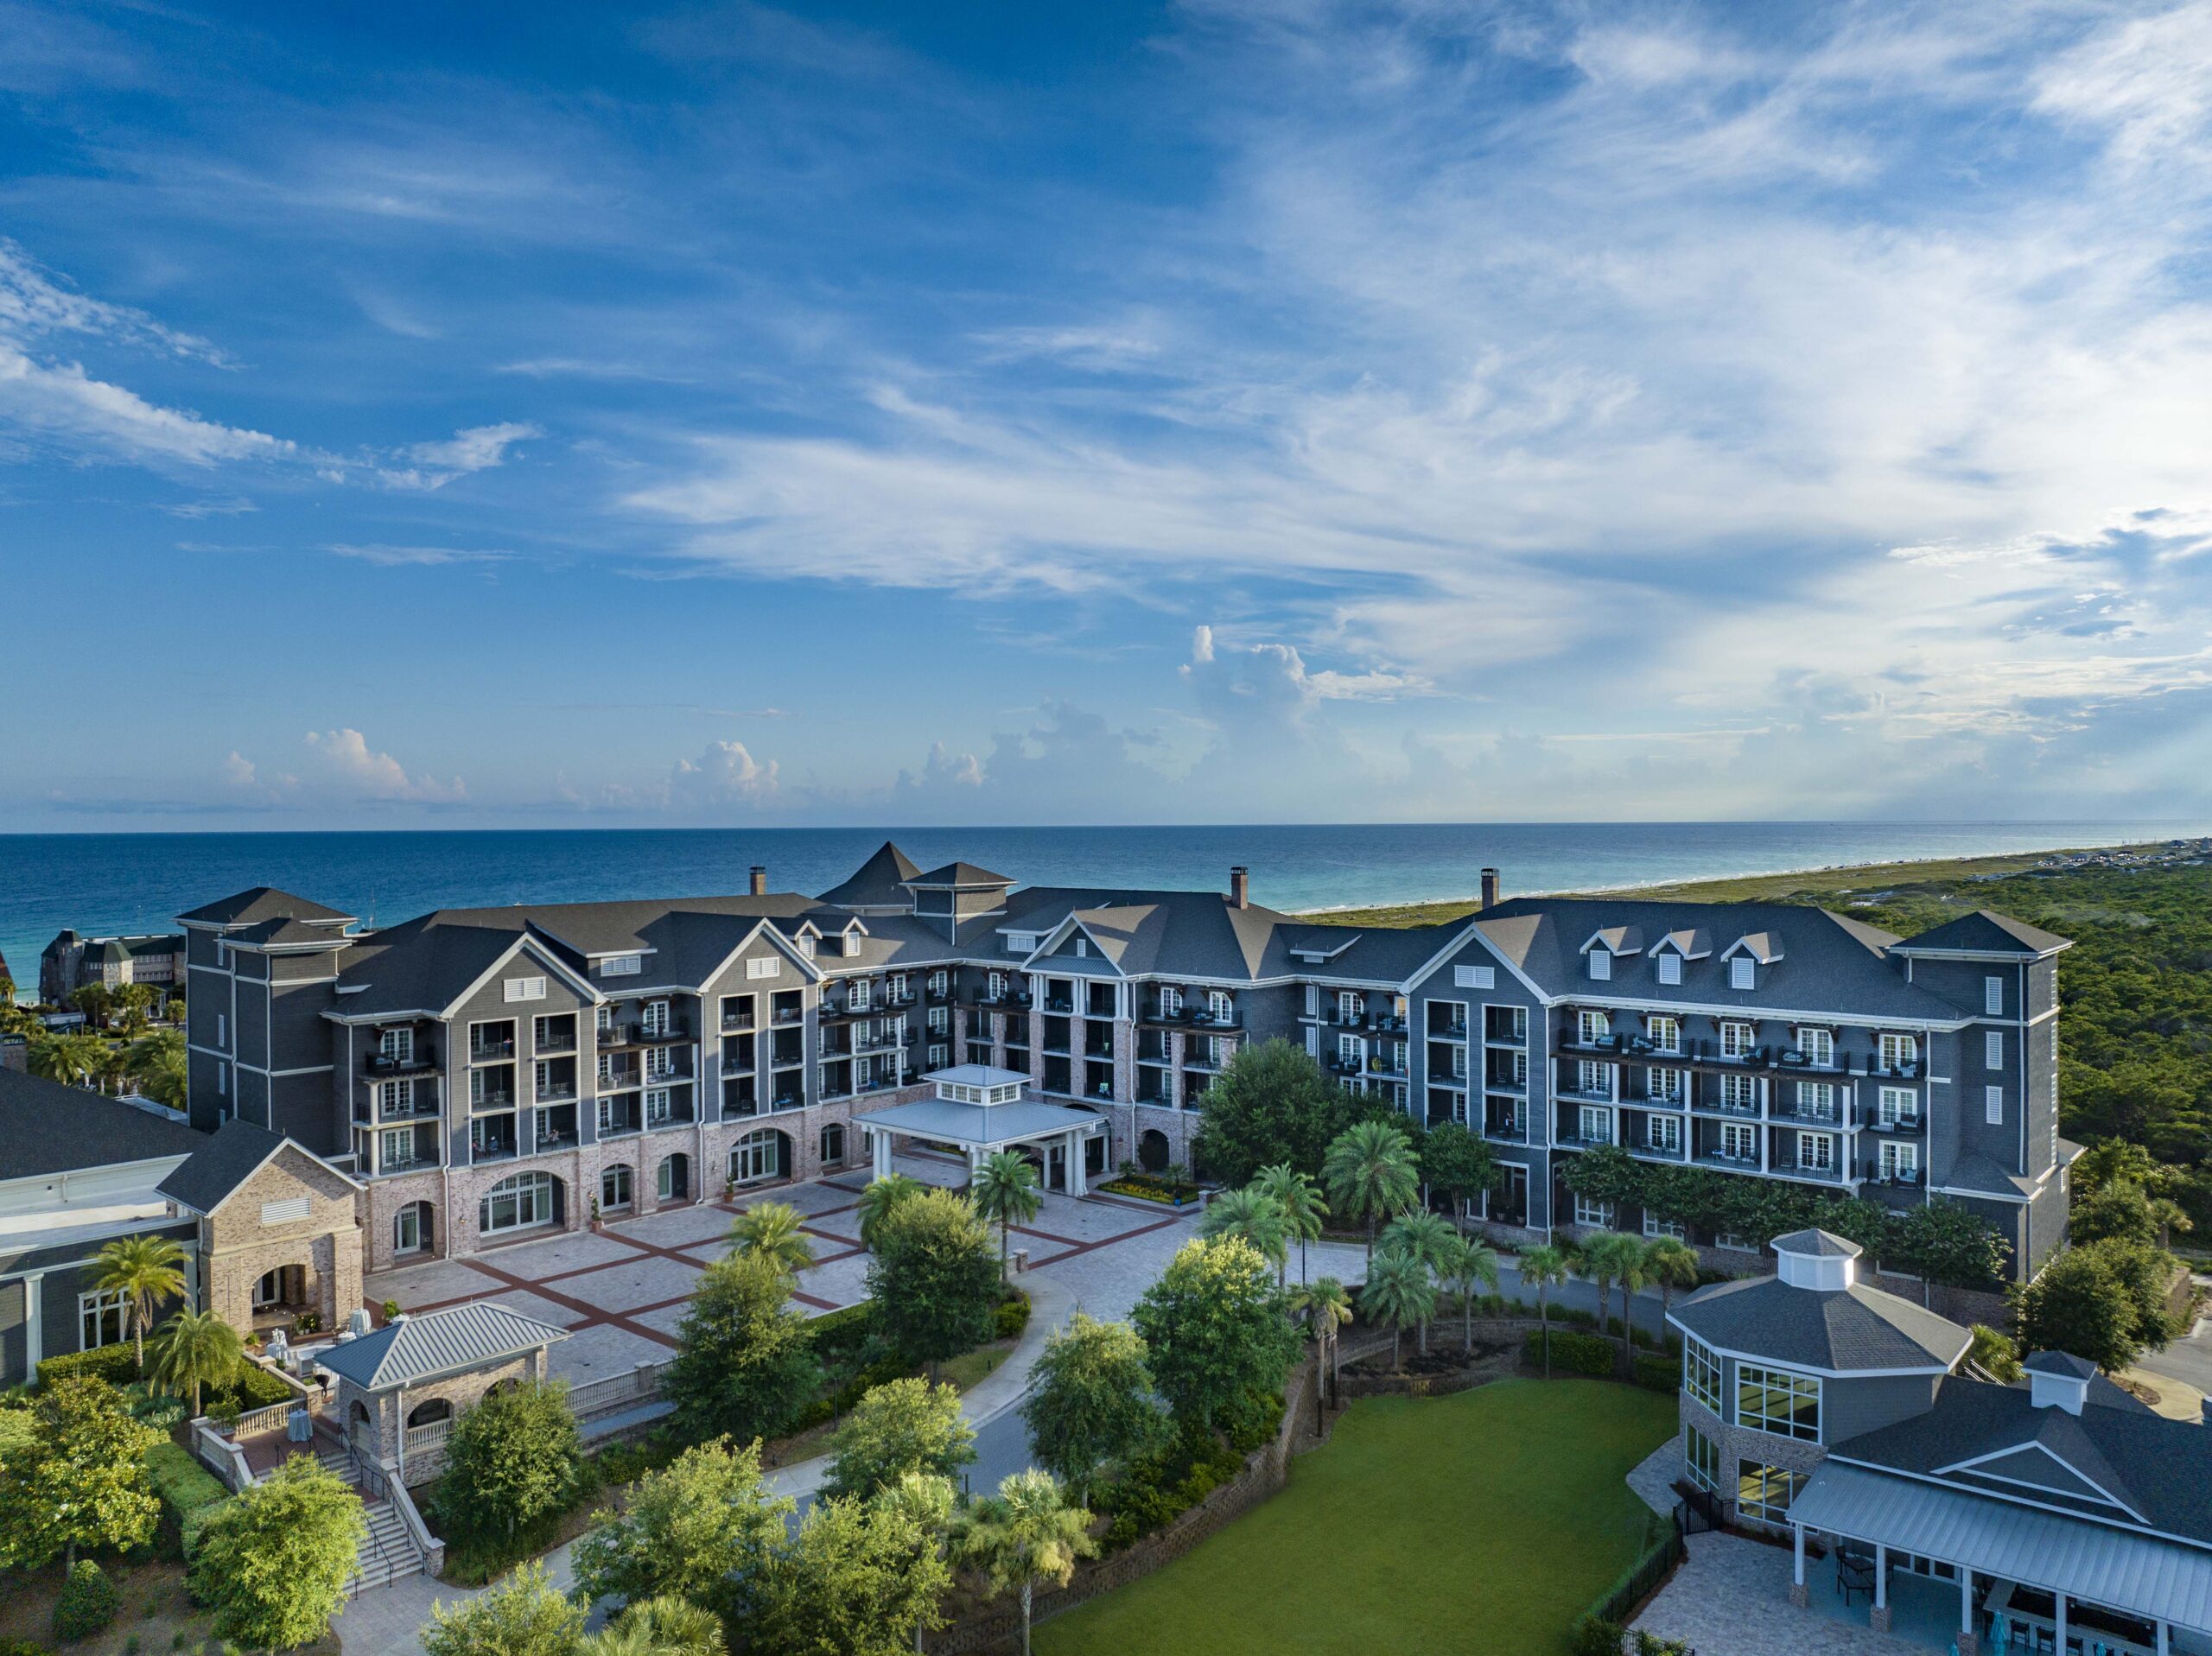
[(725, 774), (479, 449), (347, 763)]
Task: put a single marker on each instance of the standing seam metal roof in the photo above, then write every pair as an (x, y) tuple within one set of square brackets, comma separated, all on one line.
[(437, 1342)]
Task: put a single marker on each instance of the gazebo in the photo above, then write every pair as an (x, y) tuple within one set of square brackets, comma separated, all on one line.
[(982, 1109)]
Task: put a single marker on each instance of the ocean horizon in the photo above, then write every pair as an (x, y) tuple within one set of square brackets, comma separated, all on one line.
[(104, 884)]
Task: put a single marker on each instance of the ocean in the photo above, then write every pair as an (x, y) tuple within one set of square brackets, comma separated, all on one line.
[(103, 883)]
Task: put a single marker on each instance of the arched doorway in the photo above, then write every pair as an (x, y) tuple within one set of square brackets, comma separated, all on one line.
[(673, 1182), (764, 1153), (361, 1430), (520, 1201), (617, 1188), (413, 1229), (1152, 1150)]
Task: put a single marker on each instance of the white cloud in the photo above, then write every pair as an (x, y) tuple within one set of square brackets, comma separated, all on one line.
[(725, 774), (417, 556), (353, 767), (479, 449)]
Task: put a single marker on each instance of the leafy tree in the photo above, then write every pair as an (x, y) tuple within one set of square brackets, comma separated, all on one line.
[(859, 1578), (72, 1060), (1610, 1258), (1458, 1162), (1669, 1263), (879, 1199), (1607, 1174), (1272, 1103), (92, 999), (513, 1461), (770, 1230), (933, 1279), (1255, 1216), (905, 1426), (145, 1269), (1004, 1194), (2104, 1301), (1943, 1242), (1544, 1269), (1370, 1174), (671, 1627), (702, 1529), (81, 1481), (131, 999), (1214, 1328), (744, 1365), (1303, 1210), (1327, 1307), (1399, 1290), (275, 1565), (523, 1615), (926, 1504), (156, 1065), (195, 1349), (1463, 1261), (1090, 1401), (1026, 1535)]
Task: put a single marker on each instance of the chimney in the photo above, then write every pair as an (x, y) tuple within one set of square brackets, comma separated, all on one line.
[(1489, 888), (760, 886), (1239, 887)]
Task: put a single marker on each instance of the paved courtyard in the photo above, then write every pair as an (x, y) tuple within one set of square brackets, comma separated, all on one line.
[(1731, 1598)]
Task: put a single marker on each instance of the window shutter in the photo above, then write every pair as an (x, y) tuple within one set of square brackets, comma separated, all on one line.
[(286, 1211)]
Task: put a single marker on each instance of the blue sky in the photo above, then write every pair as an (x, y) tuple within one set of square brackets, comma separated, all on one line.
[(1214, 412)]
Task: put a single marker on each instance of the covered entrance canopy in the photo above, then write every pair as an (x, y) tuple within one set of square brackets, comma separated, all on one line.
[(983, 1109)]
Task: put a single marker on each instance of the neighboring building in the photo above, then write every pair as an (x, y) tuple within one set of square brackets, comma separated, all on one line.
[(267, 1230), (14, 1053), (488, 1071), (70, 962), (1815, 1403)]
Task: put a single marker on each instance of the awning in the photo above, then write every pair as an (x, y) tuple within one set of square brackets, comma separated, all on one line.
[(2158, 1580), (979, 1125)]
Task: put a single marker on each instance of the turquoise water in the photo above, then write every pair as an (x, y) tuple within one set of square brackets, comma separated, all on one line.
[(116, 882)]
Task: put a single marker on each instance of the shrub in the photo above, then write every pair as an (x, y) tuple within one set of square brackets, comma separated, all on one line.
[(22, 1647), (193, 1527), (1659, 1373), (188, 1491), (87, 1604), (1595, 1636), (1575, 1354), (1011, 1317), (117, 1364), (843, 1335)]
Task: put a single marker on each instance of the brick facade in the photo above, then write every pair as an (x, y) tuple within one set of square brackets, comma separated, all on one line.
[(238, 1247)]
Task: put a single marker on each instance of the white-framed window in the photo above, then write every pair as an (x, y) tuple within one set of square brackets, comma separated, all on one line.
[(603, 1017), (1665, 1034), (1739, 1142), (1702, 1374), (483, 1089), (525, 989), (1743, 971), (396, 1149), (517, 1202), (621, 966), (660, 1107), (1587, 1212), (1732, 1242), (1992, 996), (1596, 1124), (765, 966), (1775, 1400), (395, 1098), (395, 1045), (99, 1319), (1899, 1051), (1474, 977), (1591, 1027), (411, 1229), (1219, 1006), (1899, 1159), (1663, 1133), (1736, 1039), (1220, 1049), (653, 1018), (1350, 1006), (1663, 1085), (1701, 1456), (1740, 1092), (617, 1188), (1020, 943), (669, 1178), (660, 1063), (898, 986), (1601, 965), (758, 1155), (1171, 1000), (832, 1143), (857, 995), (1992, 1049), (1817, 1100), (1992, 1106), (1654, 1226), (1896, 1104), (940, 1056), (808, 943), (1818, 1045), (1765, 1492), (939, 1020), (1670, 967), (1348, 1048), (1816, 1152), (1594, 1078)]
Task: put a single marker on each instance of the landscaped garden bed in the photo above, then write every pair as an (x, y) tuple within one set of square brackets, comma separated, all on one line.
[(1151, 1187)]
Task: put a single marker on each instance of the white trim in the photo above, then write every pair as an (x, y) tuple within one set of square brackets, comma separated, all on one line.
[(1760, 1361), (2109, 1497), (1987, 1493)]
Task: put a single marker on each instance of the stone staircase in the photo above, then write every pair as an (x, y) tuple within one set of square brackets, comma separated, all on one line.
[(388, 1550)]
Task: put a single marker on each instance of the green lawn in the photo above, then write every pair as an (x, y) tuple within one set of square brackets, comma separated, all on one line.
[(1486, 1521)]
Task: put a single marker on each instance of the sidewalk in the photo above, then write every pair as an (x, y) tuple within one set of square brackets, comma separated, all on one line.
[(387, 1620)]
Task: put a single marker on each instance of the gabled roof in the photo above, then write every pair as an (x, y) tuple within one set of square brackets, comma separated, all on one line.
[(1692, 943), (47, 1129), (285, 932), (261, 902), (2062, 1362), (449, 1341), (965, 875), (1832, 1331), (878, 883), (1986, 933), (1823, 1244), (1762, 946), (1615, 940), (225, 1160)]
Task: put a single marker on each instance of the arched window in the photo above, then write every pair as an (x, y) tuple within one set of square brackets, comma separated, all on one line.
[(429, 1411), (410, 1229), (673, 1182), (758, 1155), (832, 1143), (518, 1201), (616, 1188)]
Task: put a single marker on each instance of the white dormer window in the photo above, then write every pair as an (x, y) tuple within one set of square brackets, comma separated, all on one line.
[(1670, 968), (1020, 943), (806, 946), (621, 966), (526, 988), (1743, 971), (1601, 965)]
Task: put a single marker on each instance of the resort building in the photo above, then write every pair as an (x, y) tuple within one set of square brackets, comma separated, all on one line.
[(485, 1072), (2058, 1514), (71, 962)]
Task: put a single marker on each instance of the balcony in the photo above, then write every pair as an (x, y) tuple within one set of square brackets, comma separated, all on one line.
[(492, 1150), (734, 1067), (1453, 1029), (1729, 1112), (491, 1051), (1901, 1124), (737, 1023), (1576, 1141), (1727, 1163), (422, 1061), (1901, 1178), (1647, 1100), (553, 1044), (1674, 1157), (1231, 1019), (1831, 1174), (555, 1092), (1835, 1119), (670, 1034), (1389, 1067), (1506, 1132), (1446, 1078), (491, 1098), (789, 1014)]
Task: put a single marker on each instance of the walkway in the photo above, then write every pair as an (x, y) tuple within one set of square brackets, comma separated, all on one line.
[(1731, 1598)]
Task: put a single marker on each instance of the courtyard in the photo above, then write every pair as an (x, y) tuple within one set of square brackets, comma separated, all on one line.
[(1488, 1521)]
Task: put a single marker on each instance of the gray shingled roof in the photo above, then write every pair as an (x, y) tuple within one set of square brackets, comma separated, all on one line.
[(958, 873), (261, 902), (287, 932), (1986, 933), (47, 1129), (223, 1162), (1821, 1243), (1839, 1331), (449, 1341), (878, 883), (2060, 1362)]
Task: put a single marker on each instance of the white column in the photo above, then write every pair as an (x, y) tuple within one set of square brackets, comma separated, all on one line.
[(33, 1323), (2060, 1597), (2163, 1646), (1077, 1184), (882, 1141), (1966, 1600), (1881, 1576), (1797, 1562)]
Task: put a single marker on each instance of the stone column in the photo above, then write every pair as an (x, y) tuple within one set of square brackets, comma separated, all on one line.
[(1800, 1595)]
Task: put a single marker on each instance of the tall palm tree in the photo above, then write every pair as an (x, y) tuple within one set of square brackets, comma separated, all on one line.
[(1544, 1269), (72, 1060), (1025, 1534), (1399, 1287), (1429, 1237), (877, 1200), (1302, 1205), (1370, 1174), (1256, 1216), (1610, 1258), (1669, 1263), (771, 1229), (196, 1349), (155, 1063), (1005, 1193), (144, 1270), (1464, 1261), (1327, 1307)]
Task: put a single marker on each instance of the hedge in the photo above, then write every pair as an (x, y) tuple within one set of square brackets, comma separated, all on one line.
[(1574, 1354), (1659, 1373), (117, 1364), (256, 1387), (1011, 1317), (191, 1496), (841, 1334)]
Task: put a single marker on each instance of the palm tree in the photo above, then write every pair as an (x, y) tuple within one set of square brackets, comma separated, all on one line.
[(926, 1502), (1429, 1237), (1545, 1268), (1256, 1216), (196, 1349), (1370, 1174), (1398, 1287), (1670, 1263), (771, 1229), (1327, 1307), (72, 1060), (877, 1200), (155, 1064), (670, 1626), (1302, 1207), (1005, 1193), (1610, 1258), (1464, 1261), (143, 1269), (1025, 1534)]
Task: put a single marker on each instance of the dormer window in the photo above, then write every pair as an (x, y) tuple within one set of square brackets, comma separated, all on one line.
[(1082, 946), (1601, 966), (621, 966), (1670, 968), (1743, 972), (1020, 943)]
